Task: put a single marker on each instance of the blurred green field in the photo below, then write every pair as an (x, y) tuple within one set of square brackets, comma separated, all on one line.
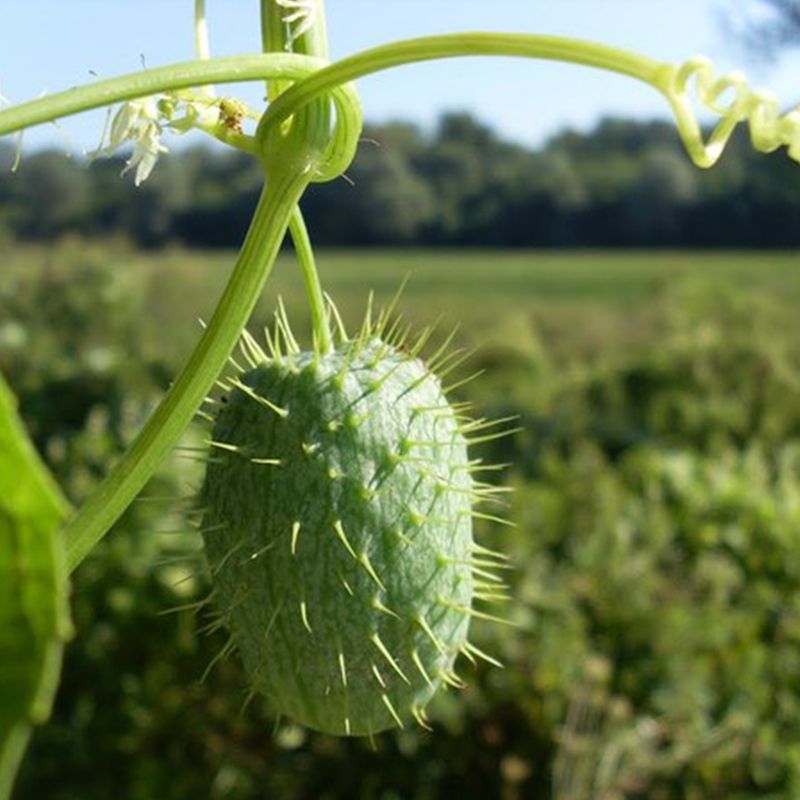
[(570, 293), (656, 589)]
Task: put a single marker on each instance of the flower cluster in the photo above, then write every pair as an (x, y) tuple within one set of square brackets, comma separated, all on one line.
[(143, 122)]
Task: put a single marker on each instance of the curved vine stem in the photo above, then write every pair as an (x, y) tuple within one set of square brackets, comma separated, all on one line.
[(769, 129), (183, 75), (431, 48), (260, 248)]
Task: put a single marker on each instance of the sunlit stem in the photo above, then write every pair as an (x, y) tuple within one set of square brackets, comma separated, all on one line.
[(316, 300), (314, 42), (769, 128), (429, 48), (202, 48)]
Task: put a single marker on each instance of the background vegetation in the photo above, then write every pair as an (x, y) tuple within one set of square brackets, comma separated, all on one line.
[(656, 583), (656, 596), (623, 183)]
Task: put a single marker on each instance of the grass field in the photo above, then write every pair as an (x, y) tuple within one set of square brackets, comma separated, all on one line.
[(574, 299), (545, 277)]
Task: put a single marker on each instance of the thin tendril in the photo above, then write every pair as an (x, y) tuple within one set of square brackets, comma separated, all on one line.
[(314, 293)]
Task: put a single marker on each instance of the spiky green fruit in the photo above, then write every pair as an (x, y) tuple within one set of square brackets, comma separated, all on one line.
[(338, 530)]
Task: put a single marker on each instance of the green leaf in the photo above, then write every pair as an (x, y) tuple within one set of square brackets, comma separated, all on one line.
[(34, 616)]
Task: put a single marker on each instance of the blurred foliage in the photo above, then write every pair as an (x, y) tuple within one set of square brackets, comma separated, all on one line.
[(656, 588), (622, 183), (34, 615)]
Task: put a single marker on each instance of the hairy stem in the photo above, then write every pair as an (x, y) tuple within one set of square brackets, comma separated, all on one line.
[(165, 426)]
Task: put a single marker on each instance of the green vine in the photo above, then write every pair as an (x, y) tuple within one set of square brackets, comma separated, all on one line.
[(769, 128), (183, 75)]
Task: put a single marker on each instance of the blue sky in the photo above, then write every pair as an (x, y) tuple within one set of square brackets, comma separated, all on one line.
[(47, 45)]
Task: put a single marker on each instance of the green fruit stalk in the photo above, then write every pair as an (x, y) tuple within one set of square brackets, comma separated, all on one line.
[(338, 529)]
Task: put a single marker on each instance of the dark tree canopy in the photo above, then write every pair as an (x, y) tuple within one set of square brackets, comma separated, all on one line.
[(624, 182)]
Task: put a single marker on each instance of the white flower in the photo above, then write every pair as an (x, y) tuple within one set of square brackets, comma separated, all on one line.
[(140, 122), (145, 154), (143, 122), (132, 119), (303, 12)]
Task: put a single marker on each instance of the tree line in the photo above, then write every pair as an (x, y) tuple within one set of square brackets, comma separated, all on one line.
[(622, 183)]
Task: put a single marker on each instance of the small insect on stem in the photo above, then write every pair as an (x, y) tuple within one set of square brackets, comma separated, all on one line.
[(232, 113)]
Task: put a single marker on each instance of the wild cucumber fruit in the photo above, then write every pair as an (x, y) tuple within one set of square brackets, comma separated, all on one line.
[(338, 528)]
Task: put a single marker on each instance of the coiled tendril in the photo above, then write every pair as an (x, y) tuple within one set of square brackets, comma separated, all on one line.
[(696, 80)]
